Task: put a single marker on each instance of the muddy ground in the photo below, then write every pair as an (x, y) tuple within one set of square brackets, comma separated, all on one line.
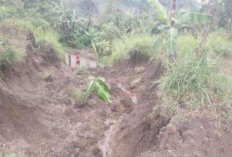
[(38, 117)]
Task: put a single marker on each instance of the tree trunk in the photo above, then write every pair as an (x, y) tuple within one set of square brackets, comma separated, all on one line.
[(173, 12), (208, 28)]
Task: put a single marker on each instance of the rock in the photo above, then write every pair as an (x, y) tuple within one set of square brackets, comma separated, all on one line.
[(49, 78)]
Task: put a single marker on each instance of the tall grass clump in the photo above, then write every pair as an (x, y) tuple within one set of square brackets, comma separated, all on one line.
[(121, 48), (187, 44), (9, 57), (7, 12), (196, 79), (49, 40), (220, 43), (45, 37)]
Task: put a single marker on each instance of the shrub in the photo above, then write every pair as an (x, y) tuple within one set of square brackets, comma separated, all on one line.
[(219, 43), (192, 78), (121, 48)]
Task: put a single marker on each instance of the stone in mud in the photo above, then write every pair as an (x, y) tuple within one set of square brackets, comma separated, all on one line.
[(49, 78), (80, 103), (97, 152), (122, 106)]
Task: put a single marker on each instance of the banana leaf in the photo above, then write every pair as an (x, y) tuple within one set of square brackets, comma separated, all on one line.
[(171, 41), (192, 18)]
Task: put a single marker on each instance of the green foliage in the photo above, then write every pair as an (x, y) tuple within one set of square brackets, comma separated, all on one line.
[(101, 48), (187, 44), (40, 22), (225, 13), (45, 37), (192, 18), (219, 43), (170, 32), (7, 12), (99, 84), (109, 31), (121, 48), (9, 57), (193, 78), (171, 43), (160, 11), (49, 40)]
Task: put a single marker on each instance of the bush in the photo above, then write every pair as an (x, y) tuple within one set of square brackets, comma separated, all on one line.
[(122, 48), (192, 78), (219, 43)]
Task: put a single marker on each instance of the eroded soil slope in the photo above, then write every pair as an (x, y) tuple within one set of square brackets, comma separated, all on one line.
[(39, 118)]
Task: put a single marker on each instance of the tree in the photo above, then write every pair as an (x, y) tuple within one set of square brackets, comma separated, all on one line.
[(169, 27), (88, 7)]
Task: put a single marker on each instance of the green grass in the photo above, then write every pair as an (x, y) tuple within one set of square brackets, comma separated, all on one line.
[(121, 48), (186, 44), (10, 57), (196, 79), (7, 11), (45, 37), (220, 43), (49, 40)]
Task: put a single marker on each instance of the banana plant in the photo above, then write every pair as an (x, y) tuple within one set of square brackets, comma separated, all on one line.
[(99, 84), (168, 28)]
